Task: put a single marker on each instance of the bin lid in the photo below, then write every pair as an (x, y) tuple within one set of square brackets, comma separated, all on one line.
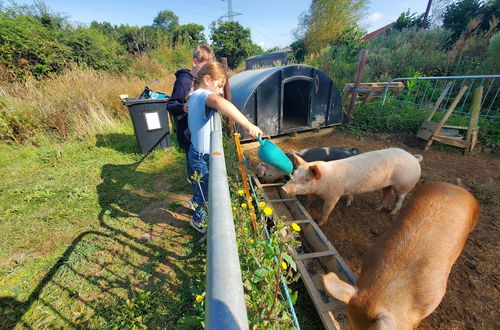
[(133, 101)]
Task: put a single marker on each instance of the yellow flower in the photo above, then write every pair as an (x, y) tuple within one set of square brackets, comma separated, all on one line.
[(199, 298), (234, 208), (240, 192), (250, 199), (262, 205), (243, 205), (268, 211), (246, 228), (295, 226), (283, 265), (251, 241)]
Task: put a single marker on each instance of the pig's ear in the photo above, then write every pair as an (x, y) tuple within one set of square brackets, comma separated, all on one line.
[(337, 288), (297, 160), (261, 169), (314, 169)]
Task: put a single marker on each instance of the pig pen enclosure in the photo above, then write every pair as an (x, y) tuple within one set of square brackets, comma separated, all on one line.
[(471, 299)]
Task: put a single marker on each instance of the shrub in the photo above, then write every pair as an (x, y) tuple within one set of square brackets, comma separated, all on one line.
[(397, 118)]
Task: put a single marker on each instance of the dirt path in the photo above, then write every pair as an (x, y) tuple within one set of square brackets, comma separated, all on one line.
[(471, 300)]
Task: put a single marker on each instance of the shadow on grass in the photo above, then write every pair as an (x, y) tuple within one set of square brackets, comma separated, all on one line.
[(121, 142), (120, 195)]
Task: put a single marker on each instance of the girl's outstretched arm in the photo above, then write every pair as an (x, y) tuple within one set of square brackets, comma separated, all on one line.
[(229, 110)]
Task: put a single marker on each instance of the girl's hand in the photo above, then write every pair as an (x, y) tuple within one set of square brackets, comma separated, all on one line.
[(253, 131)]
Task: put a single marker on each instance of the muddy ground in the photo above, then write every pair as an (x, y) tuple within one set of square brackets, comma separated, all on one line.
[(472, 296)]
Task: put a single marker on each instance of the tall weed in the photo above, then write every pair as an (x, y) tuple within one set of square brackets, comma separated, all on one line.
[(76, 104)]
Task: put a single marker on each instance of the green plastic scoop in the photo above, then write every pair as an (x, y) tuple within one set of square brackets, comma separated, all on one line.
[(270, 153)]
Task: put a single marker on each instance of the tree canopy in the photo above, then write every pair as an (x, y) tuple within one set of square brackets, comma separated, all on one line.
[(232, 40), (459, 14)]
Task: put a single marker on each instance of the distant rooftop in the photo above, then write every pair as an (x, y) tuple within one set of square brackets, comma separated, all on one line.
[(271, 55), (378, 32)]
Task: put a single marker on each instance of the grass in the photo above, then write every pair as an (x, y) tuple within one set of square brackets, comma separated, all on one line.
[(78, 248)]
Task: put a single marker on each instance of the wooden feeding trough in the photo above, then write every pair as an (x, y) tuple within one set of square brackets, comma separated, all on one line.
[(316, 256)]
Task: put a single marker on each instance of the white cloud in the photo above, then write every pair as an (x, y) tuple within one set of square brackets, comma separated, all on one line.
[(373, 18), (262, 44)]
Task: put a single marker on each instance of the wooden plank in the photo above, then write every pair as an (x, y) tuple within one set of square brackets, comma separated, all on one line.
[(447, 115), (439, 100), (299, 221), (316, 254), (273, 184), (328, 321)]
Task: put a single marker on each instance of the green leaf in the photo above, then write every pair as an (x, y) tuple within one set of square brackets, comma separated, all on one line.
[(290, 261)]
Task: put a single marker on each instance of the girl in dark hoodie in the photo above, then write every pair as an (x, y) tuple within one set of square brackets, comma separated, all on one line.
[(177, 104)]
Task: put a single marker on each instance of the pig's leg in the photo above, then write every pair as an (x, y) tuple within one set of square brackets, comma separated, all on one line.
[(350, 198), (385, 198), (328, 208), (398, 203)]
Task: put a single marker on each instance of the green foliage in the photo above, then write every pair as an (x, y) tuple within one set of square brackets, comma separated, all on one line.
[(459, 14), (298, 51), (166, 20), (263, 262), (407, 20), (398, 117), (401, 53), (327, 20), (231, 40), (36, 46), (190, 33)]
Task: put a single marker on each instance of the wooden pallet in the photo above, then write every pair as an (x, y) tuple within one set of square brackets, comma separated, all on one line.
[(314, 258), (370, 90)]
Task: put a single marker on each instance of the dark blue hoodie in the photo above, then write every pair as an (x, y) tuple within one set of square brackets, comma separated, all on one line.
[(175, 106)]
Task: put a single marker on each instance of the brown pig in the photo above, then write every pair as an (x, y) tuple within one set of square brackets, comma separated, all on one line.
[(389, 169), (404, 275)]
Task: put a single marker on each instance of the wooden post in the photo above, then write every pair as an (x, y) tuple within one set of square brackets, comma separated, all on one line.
[(354, 94), (472, 130), (446, 116), (227, 96)]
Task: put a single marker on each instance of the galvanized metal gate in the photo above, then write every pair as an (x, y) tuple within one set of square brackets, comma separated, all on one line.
[(424, 91)]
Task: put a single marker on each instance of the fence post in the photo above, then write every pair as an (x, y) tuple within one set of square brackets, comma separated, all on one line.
[(354, 94), (225, 305), (227, 96)]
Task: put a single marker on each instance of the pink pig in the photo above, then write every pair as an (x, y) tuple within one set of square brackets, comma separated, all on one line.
[(389, 169), (404, 274)]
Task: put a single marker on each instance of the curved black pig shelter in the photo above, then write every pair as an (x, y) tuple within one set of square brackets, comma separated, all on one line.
[(286, 99)]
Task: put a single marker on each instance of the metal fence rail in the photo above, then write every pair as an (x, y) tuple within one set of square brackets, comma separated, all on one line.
[(225, 305), (424, 91)]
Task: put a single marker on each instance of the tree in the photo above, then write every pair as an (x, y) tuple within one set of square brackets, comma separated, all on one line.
[(231, 40), (407, 20), (298, 50), (166, 20), (192, 33), (327, 20), (458, 15)]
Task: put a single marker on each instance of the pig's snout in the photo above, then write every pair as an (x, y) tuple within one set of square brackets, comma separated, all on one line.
[(289, 189)]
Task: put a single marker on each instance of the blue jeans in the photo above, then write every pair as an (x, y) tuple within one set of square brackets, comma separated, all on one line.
[(199, 163)]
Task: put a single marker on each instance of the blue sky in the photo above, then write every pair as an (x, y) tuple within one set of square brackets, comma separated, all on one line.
[(271, 22)]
